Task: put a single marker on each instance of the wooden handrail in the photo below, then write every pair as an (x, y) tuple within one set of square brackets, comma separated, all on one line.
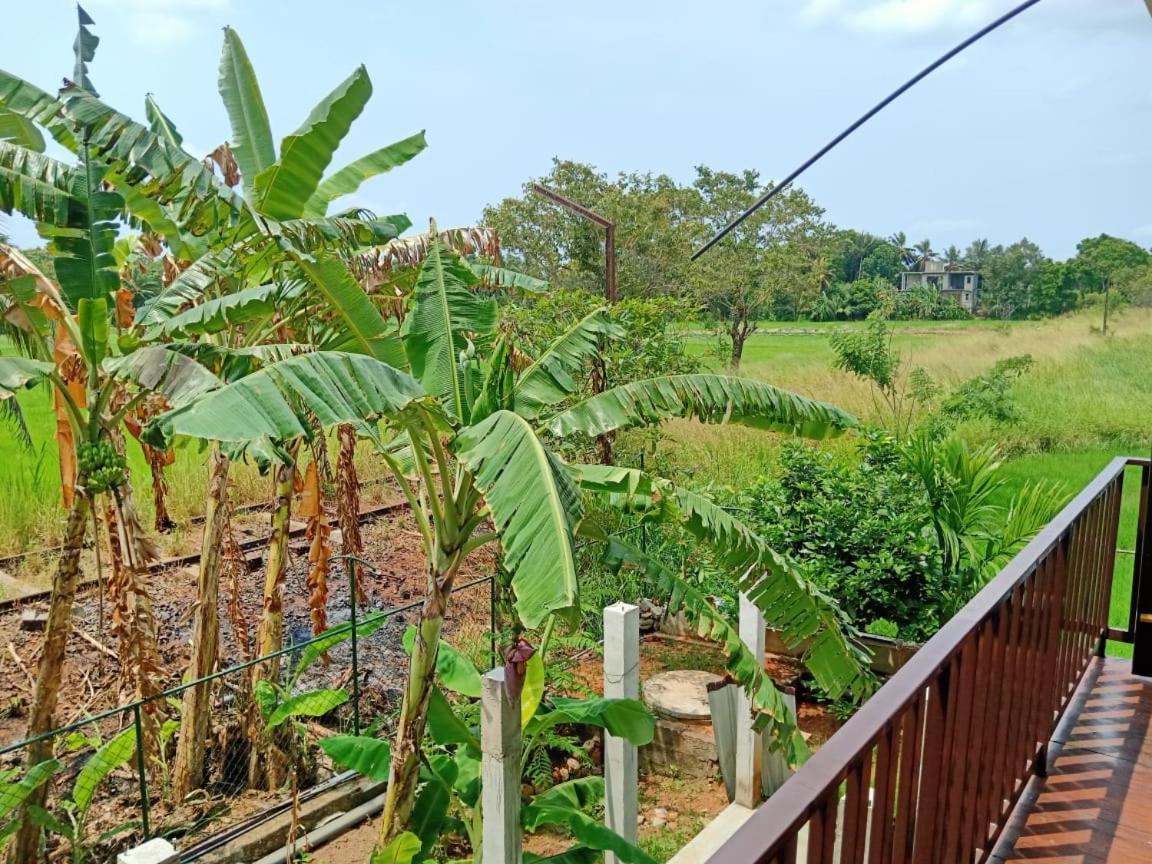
[(934, 761)]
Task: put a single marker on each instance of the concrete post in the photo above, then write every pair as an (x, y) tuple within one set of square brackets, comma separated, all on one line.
[(500, 770), (155, 851), (749, 748), (776, 768), (621, 681)]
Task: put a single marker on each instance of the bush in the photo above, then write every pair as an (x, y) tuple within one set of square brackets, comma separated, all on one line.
[(859, 531), (989, 396), (651, 345)]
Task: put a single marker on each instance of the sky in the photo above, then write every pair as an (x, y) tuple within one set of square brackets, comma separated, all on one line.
[(1042, 130)]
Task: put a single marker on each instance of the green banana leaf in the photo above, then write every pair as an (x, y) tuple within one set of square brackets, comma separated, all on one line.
[(284, 187), (252, 143), (335, 387), (534, 506), (349, 178), (705, 397), (550, 379)]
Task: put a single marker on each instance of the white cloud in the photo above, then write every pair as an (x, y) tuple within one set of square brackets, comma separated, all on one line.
[(160, 23)]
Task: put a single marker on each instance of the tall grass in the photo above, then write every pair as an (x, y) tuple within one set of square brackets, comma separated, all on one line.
[(1086, 391)]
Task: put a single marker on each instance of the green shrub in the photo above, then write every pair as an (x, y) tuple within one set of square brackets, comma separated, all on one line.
[(884, 628), (989, 396), (860, 531)]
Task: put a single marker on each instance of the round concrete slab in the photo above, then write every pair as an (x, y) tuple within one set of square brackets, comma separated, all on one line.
[(680, 695)]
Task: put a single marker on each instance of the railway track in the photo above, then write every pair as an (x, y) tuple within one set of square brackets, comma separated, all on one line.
[(247, 546)]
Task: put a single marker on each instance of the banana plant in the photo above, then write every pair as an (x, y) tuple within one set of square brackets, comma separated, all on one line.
[(448, 798), (467, 441)]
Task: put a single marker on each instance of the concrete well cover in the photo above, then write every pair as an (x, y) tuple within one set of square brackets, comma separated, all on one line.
[(680, 695)]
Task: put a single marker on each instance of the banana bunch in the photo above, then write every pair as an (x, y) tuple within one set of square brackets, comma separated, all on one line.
[(105, 468)]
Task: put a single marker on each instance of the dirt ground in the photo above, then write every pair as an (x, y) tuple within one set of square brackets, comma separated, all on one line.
[(659, 653), (91, 675)]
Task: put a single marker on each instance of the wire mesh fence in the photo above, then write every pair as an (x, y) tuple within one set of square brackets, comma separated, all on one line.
[(106, 782)]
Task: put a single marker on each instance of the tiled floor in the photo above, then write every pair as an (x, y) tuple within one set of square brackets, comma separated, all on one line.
[(1096, 804)]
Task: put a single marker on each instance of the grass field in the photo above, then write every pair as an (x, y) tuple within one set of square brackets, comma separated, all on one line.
[(1086, 394)]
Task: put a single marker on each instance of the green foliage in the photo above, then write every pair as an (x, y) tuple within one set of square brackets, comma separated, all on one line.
[(857, 529), (883, 627), (368, 756), (402, 850), (989, 395)]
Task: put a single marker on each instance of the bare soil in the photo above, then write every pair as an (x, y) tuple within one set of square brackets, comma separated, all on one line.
[(660, 653)]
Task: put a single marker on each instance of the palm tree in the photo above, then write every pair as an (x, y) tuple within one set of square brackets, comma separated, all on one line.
[(924, 253), (953, 260), (907, 253), (976, 255), (468, 445)]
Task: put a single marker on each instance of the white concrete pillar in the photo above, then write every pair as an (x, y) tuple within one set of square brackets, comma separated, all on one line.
[(749, 746), (155, 851), (500, 770), (621, 681), (776, 768)]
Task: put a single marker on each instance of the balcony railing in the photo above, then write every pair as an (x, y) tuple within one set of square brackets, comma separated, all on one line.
[(930, 768)]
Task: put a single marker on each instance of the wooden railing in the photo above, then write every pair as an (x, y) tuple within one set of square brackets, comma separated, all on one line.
[(929, 769)]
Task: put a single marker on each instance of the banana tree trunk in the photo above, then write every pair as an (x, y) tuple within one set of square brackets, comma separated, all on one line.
[(267, 766), (141, 655), (188, 774), (157, 460), (404, 773), (25, 846)]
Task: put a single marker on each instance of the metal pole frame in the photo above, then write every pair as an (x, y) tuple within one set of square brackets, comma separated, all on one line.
[(610, 293)]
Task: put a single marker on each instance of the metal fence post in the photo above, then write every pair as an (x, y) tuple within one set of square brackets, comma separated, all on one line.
[(1140, 621), (141, 771), (355, 647), (493, 599), (643, 524)]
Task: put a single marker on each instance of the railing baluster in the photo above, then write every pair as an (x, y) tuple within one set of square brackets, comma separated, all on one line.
[(1002, 776), (1110, 572), (822, 830), (911, 742), (855, 826), (887, 765), (1022, 748), (936, 710), (959, 752), (977, 779)]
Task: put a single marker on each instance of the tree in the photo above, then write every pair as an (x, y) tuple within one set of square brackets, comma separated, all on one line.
[(68, 332), (769, 263), (953, 259), (883, 263), (1107, 257), (976, 255), (289, 185), (924, 253), (544, 240), (1010, 278), (476, 470), (907, 253)]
